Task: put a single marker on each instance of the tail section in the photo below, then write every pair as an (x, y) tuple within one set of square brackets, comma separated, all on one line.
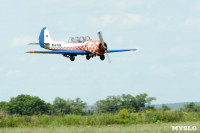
[(44, 37)]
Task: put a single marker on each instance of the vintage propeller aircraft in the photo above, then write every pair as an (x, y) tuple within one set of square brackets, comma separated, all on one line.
[(83, 45)]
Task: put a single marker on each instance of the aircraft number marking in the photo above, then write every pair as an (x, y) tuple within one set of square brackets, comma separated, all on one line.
[(56, 45)]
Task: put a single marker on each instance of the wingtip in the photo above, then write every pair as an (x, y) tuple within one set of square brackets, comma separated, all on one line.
[(30, 52)]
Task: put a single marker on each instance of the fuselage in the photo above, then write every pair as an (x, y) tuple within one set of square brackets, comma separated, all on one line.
[(92, 46)]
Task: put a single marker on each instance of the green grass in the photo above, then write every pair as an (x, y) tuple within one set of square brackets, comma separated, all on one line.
[(123, 117), (128, 128)]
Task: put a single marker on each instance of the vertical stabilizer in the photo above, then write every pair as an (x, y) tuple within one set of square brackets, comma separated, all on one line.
[(44, 37)]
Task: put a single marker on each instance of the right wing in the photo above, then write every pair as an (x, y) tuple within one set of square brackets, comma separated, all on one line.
[(120, 50)]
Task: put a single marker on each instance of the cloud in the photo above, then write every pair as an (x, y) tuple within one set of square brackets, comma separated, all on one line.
[(163, 27), (21, 41), (123, 20), (192, 23), (55, 68), (66, 73), (13, 73), (1, 69), (119, 39), (27, 60), (159, 70), (103, 21), (131, 19), (180, 51), (121, 4)]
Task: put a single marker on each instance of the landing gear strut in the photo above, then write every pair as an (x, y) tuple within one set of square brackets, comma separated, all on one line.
[(102, 57), (72, 57)]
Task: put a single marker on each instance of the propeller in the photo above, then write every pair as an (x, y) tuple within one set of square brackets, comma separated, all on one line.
[(104, 46)]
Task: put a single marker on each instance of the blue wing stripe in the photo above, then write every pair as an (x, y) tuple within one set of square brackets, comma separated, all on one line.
[(61, 52), (120, 50)]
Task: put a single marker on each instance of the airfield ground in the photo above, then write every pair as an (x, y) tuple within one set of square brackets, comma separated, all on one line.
[(129, 128)]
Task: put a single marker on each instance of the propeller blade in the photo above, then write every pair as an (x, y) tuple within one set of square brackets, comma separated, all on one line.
[(103, 44), (108, 57), (101, 39)]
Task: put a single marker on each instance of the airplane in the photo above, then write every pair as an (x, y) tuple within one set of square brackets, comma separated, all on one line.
[(82, 45)]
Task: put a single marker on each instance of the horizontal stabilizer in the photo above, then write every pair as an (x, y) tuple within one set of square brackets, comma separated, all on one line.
[(37, 43)]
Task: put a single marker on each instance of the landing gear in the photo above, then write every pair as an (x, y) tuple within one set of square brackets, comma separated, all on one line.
[(72, 57), (102, 57), (87, 57)]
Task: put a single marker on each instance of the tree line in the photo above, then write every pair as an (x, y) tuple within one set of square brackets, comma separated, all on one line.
[(33, 105)]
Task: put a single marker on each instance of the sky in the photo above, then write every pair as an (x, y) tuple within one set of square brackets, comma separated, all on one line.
[(166, 35)]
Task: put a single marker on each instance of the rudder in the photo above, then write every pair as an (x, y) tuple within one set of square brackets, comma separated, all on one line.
[(44, 37)]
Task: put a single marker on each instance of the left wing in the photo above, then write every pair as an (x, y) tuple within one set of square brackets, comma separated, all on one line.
[(61, 52), (120, 50)]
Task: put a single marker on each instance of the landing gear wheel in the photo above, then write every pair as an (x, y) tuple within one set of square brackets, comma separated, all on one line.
[(102, 57), (72, 57), (87, 57)]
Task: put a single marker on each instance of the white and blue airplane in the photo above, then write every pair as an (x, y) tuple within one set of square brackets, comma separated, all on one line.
[(82, 45)]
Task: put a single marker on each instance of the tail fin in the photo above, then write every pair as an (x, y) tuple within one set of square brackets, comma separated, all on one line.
[(44, 37)]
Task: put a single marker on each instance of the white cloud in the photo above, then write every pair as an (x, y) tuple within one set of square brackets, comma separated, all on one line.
[(21, 41), (180, 51), (104, 21), (119, 39), (123, 20), (163, 27), (65, 73), (33, 60), (55, 68), (1, 69), (132, 19), (13, 73), (159, 70), (192, 23), (26, 59)]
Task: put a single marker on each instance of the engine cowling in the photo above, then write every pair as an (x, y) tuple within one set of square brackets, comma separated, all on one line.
[(102, 48)]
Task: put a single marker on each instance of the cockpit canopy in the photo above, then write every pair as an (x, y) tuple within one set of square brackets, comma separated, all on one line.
[(80, 39)]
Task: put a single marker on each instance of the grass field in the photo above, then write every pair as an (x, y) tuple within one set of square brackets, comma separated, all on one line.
[(129, 128)]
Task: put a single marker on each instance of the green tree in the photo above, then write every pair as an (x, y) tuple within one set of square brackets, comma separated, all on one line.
[(77, 106), (59, 105), (69, 106), (142, 100), (110, 105), (128, 102), (190, 107), (3, 106), (165, 107), (113, 104), (27, 105)]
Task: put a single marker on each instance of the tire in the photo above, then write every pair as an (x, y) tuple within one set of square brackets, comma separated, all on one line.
[(102, 57), (87, 57), (72, 57)]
